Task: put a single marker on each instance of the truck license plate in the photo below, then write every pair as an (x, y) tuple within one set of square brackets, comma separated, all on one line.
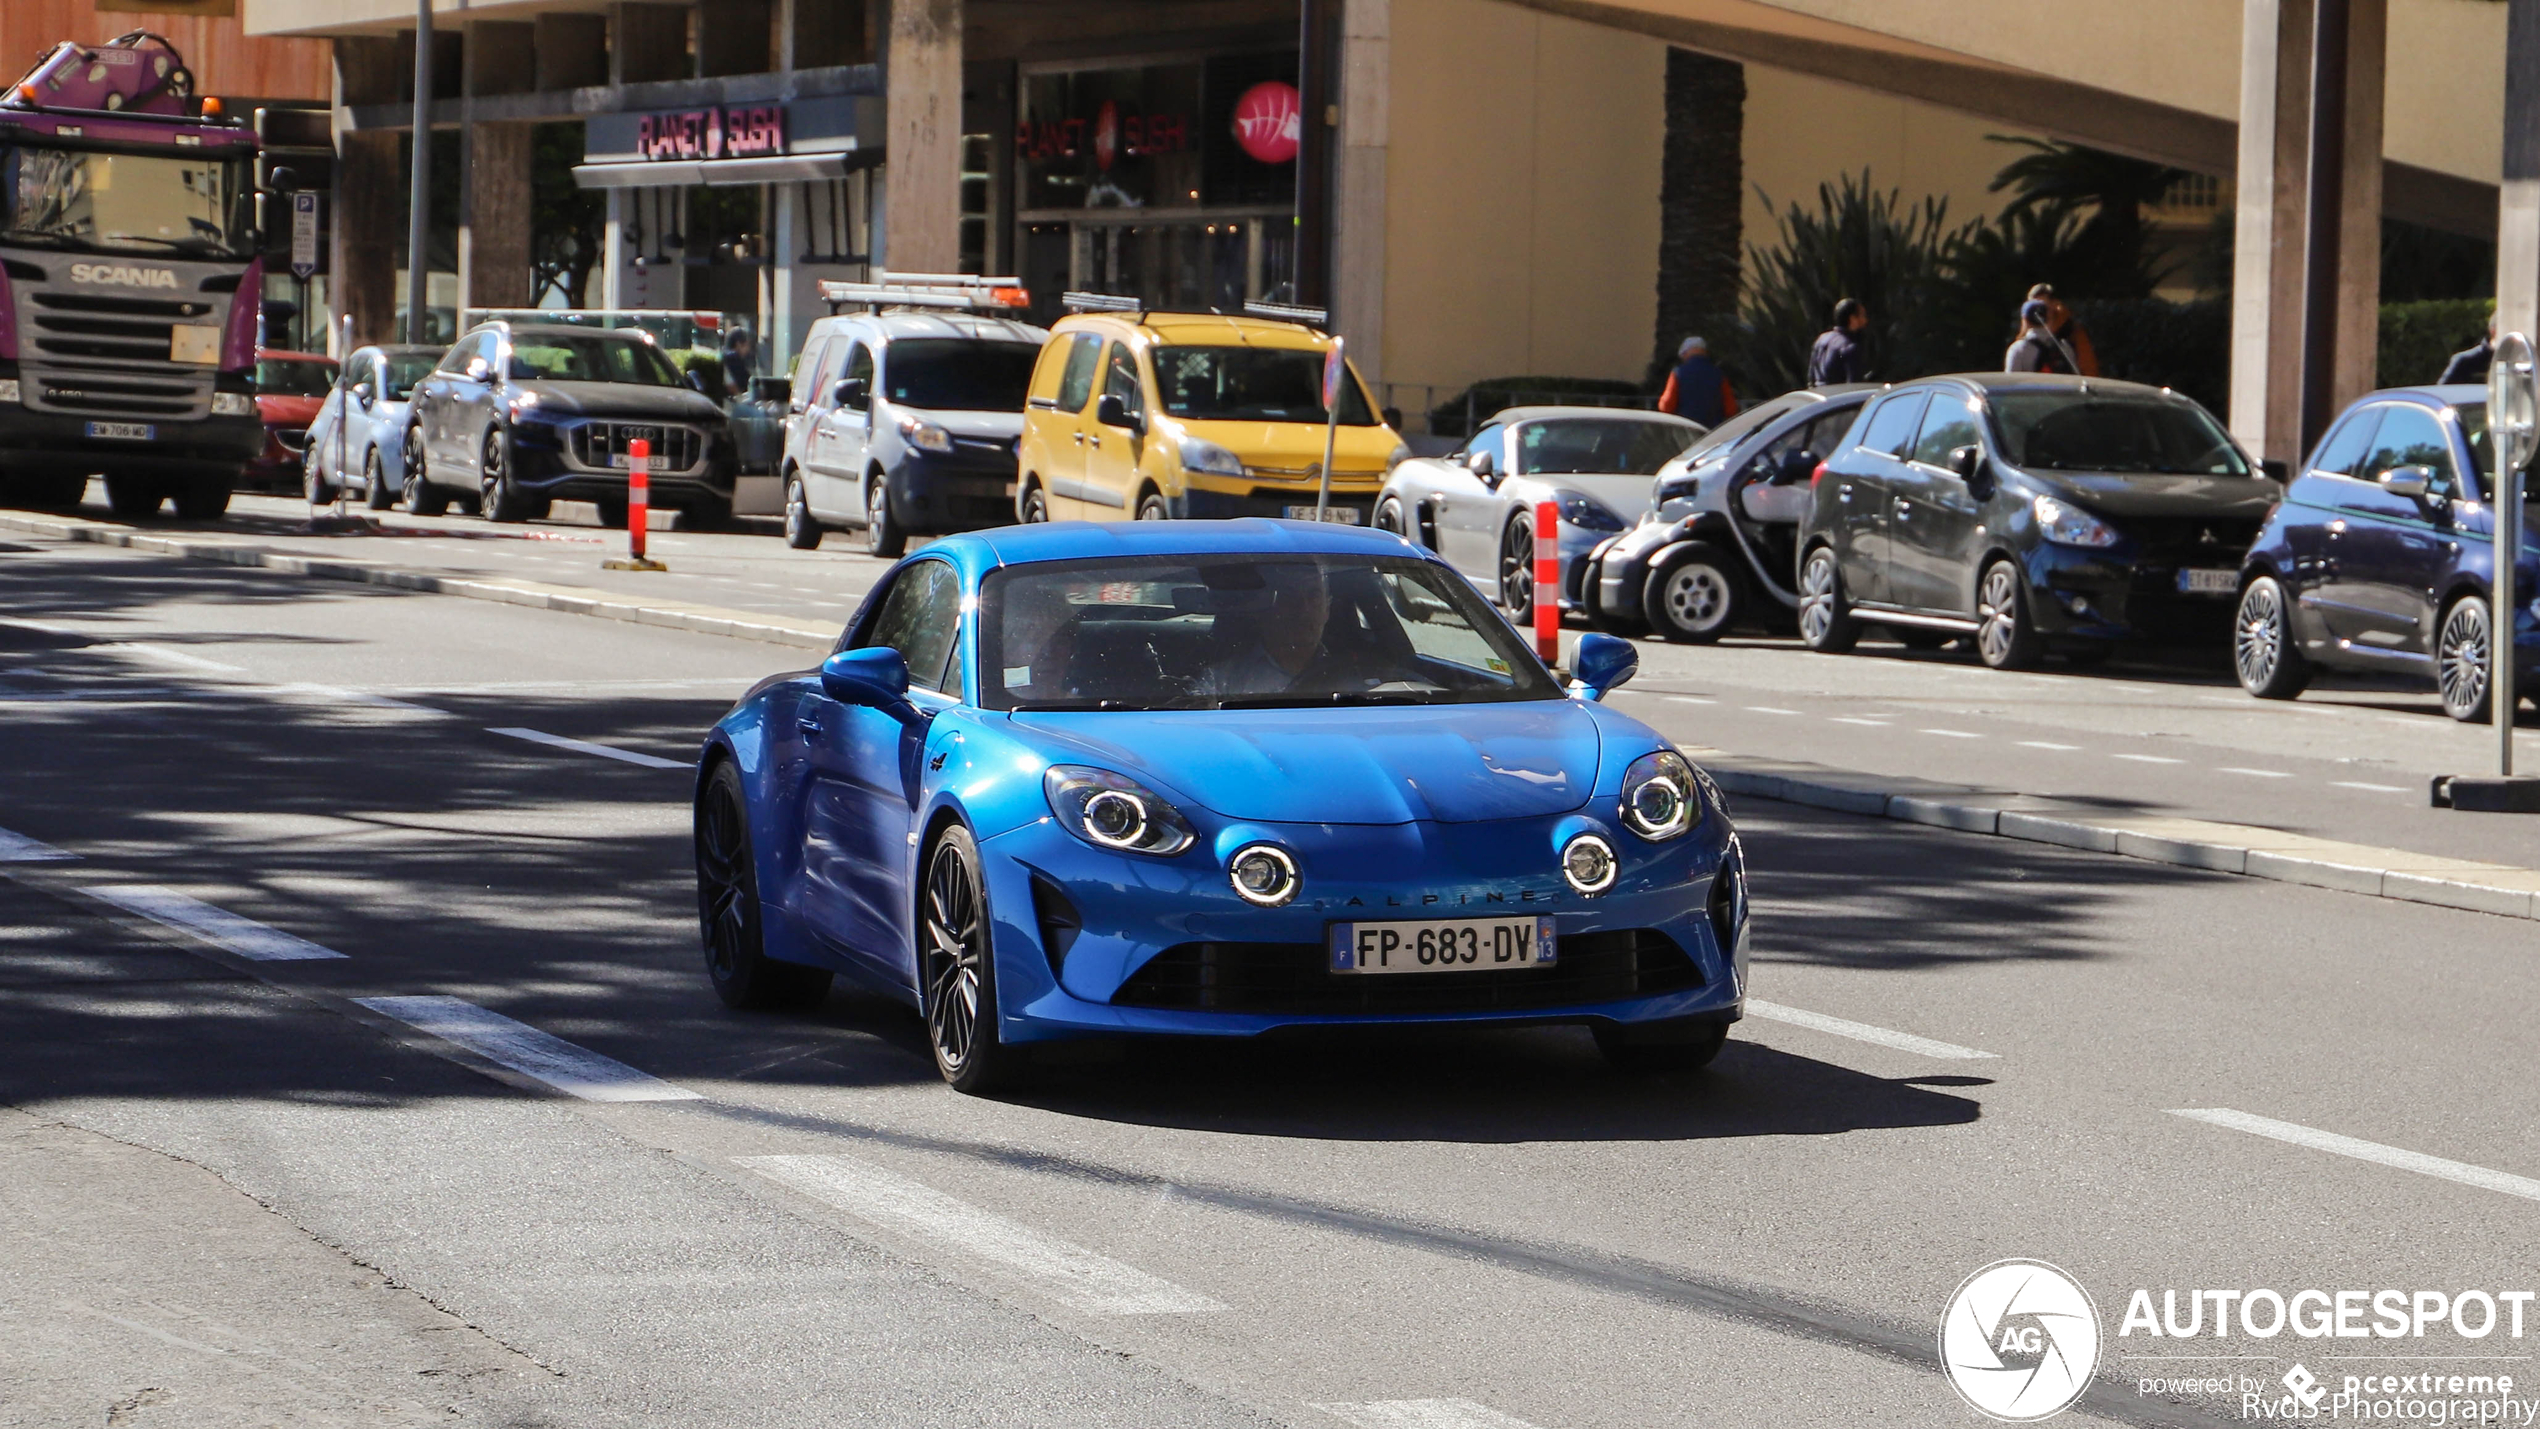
[(1436, 945), (124, 431)]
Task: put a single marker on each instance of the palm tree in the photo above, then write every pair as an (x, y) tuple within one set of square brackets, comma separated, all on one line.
[(1701, 192), (2104, 257)]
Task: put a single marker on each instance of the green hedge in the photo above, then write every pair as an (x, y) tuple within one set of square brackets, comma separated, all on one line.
[(2418, 338)]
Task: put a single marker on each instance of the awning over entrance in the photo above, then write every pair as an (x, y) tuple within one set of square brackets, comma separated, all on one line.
[(776, 169)]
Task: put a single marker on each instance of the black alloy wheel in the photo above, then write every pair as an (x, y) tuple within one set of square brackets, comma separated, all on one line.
[(1517, 571), (376, 493), (957, 970), (2006, 638), (1684, 1046), (2460, 659), (1696, 596), (420, 496), (1826, 623), (1034, 510), (2263, 654), (499, 498), (802, 529), (728, 909), (883, 535)]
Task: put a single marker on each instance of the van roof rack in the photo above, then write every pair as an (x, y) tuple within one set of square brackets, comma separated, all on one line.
[(961, 292), (1316, 318)]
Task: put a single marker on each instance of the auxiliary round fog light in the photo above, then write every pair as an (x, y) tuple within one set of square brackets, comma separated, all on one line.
[(1263, 875), (1589, 865), (1115, 818)]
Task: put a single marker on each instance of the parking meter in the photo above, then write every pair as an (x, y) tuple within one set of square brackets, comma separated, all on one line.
[(2513, 426)]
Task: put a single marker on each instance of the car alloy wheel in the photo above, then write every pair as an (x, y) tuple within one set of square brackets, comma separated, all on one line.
[(2004, 635), (882, 534), (497, 498), (2460, 659), (2262, 650), (1825, 619), (1151, 507), (802, 531), (1517, 571), (728, 908), (375, 490), (957, 971), (1694, 597), (1389, 517), (314, 485)]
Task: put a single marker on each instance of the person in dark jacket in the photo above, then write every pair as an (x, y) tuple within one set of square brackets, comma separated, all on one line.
[(1697, 390), (2037, 349), (2472, 365), (1838, 355), (740, 363)]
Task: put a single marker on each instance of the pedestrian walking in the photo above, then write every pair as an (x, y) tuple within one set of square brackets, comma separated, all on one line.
[(2067, 330), (2472, 365), (1697, 390), (2037, 349), (740, 363), (1838, 355)]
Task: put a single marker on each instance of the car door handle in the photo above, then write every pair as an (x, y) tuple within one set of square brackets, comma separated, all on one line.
[(808, 724), (1843, 492), (1093, 441)]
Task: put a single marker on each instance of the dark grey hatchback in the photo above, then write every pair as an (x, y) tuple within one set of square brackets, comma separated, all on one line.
[(2023, 509)]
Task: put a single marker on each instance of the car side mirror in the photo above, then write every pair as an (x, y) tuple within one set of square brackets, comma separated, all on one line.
[(1602, 664), (854, 393), (1482, 465), (1969, 465), (1113, 411), (2409, 481), (363, 394), (875, 677), (478, 369)]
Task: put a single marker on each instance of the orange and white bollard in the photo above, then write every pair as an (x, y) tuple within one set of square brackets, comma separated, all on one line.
[(639, 509), (1548, 580)]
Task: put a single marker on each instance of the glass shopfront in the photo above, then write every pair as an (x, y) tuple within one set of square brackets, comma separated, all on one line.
[(1172, 181)]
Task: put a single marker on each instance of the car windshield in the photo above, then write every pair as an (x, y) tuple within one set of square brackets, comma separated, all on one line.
[(404, 371), (97, 202), (2075, 431), (956, 375), (1736, 428), (1252, 384), (1245, 631), (294, 376), (1598, 446), (591, 359)]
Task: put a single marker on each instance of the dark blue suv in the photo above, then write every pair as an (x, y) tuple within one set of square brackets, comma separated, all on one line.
[(2379, 555)]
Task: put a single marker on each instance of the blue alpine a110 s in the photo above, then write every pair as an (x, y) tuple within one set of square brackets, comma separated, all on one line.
[(1213, 778)]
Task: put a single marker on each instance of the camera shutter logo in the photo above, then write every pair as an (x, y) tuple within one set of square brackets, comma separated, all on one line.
[(2019, 1341)]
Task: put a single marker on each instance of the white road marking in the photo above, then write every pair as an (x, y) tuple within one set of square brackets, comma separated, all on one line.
[(2256, 773), (244, 936), (18, 848), (2044, 744), (1952, 734), (1070, 1273), (584, 746), (2375, 788), (1863, 1032), (1846, 719), (1768, 709), (1424, 1414), (2151, 759), (1690, 700), (177, 657), (363, 697), (573, 1070), (2329, 1141)]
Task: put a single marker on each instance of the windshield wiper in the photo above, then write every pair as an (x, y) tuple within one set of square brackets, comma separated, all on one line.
[(1063, 706), (1333, 698)]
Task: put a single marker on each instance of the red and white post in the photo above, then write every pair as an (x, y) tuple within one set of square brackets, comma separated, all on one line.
[(639, 508), (1548, 580)]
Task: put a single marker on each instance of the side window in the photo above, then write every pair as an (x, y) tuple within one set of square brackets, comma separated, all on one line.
[(1120, 378), (2411, 436), (1076, 385), (1948, 424), (2344, 450), (920, 618), (455, 360), (1890, 431), (860, 364), (1825, 435), (807, 372), (1485, 440)]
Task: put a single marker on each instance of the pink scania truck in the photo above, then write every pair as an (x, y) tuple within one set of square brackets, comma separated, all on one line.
[(129, 284)]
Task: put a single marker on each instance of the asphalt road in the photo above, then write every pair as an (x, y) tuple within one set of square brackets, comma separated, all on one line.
[(238, 1193)]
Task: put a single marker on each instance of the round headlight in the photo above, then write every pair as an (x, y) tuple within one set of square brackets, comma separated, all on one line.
[(1116, 819), (1114, 811), (1659, 801), (1589, 865), (1263, 875)]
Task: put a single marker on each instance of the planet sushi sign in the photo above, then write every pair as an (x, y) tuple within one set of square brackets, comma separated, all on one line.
[(1268, 121)]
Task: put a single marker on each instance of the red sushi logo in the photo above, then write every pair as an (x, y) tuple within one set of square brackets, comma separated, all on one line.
[(1269, 121), (1107, 135)]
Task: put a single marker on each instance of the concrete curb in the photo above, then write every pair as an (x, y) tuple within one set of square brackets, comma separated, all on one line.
[(575, 600), (2186, 843)]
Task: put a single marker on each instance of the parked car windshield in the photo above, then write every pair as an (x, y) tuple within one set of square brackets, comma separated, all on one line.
[(1252, 384), (1736, 428), (404, 371), (294, 376), (590, 359), (956, 375), (1245, 631), (1599, 446), (2061, 431)]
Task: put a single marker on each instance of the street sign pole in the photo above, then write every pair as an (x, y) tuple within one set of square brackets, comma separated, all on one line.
[(1335, 373), (343, 409), (2513, 430)]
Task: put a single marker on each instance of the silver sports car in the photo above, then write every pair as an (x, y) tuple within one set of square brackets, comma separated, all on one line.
[(1475, 506)]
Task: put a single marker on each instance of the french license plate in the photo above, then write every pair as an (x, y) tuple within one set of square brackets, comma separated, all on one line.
[(1437, 945), (1338, 515), (124, 431), (2208, 582)]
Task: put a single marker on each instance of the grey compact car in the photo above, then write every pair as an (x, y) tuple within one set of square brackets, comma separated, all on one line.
[(1476, 505), (359, 438)]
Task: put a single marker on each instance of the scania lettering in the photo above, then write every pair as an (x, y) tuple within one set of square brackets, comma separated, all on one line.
[(129, 284)]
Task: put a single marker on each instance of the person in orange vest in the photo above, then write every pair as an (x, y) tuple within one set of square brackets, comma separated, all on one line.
[(1697, 390)]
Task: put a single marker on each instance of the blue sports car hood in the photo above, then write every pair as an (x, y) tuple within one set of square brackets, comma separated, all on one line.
[(1452, 763)]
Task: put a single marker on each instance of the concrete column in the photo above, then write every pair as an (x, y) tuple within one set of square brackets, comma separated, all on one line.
[(2359, 239), (923, 153), (785, 244), (367, 178), (1358, 279), (1318, 48), (613, 253), (2518, 203), (494, 262), (2266, 280)]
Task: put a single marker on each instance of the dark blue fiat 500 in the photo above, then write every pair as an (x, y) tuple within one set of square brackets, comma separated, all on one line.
[(2379, 556)]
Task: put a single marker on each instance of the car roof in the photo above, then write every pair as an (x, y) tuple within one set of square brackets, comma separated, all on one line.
[(977, 552), (1202, 329), (2441, 394), (1506, 415), (911, 323), (1995, 382), (630, 334)]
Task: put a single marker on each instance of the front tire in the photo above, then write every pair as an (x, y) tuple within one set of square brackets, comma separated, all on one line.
[(375, 490), (957, 970), (1517, 572), (133, 497), (2460, 659), (1686, 1046), (1034, 509), (883, 534), (422, 498), (318, 490), (498, 497), (1696, 596), (802, 529), (52, 491), (201, 498), (1826, 623), (1389, 516), (1151, 507), (728, 912), (2006, 638), (2270, 665)]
